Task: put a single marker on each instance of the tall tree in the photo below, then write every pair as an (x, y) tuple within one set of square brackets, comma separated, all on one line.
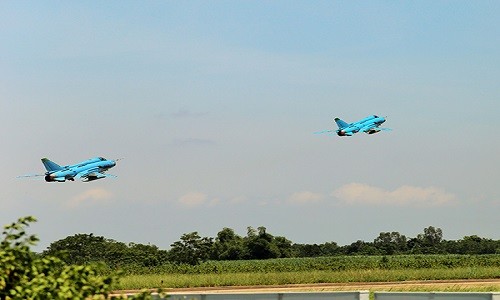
[(427, 243), (191, 249), (476, 245), (228, 246), (330, 248), (79, 249), (360, 248), (260, 245), (389, 243), (432, 236), (284, 246)]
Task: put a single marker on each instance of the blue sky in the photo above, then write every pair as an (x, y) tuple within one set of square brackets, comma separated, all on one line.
[(213, 105)]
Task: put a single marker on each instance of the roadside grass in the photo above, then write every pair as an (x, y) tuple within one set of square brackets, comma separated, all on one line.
[(452, 288), (148, 281)]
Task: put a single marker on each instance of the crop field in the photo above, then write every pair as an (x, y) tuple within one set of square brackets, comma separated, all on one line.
[(304, 277), (342, 269), (332, 263)]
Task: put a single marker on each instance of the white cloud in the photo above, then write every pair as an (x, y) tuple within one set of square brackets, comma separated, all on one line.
[(193, 199), (305, 197), (357, 193), (198, 199), (238, 200), (214, 202), (92, 196)]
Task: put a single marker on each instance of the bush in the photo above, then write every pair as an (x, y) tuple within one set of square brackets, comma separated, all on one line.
[(26, 275)]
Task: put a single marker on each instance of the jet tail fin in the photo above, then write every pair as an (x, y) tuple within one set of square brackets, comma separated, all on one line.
[(50, 166), (341, 124)]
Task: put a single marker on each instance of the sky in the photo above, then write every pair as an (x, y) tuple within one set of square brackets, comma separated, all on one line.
[(213, 107)]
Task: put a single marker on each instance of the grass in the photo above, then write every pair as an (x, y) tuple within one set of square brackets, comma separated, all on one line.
[(332, 263), (302, 277), (339, 269)]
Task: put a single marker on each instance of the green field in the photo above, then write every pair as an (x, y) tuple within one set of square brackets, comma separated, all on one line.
[(303, 277), (314, 270)]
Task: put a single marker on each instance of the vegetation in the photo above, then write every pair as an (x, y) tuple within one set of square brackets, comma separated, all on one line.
[(258, 244), (85, 266), (171, 280), (26, 275), (330, 264)]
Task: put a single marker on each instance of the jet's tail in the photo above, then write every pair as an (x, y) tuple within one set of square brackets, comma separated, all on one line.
[(341, 124), (50, 166)]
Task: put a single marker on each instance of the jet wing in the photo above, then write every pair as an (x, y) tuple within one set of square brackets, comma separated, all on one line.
[(368, 128), (31, 176), (92, 174), (324, 131), (372, 128)]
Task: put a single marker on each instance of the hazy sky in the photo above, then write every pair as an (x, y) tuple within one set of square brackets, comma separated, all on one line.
[(213, 105)]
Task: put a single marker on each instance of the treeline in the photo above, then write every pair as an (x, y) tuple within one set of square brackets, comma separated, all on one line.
[(258, 244)]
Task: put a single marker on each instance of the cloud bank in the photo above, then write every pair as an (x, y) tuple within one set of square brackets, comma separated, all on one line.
[(349, 194), (358, 193), (199, 199), (305, 197), (193, 199), (92, 197)]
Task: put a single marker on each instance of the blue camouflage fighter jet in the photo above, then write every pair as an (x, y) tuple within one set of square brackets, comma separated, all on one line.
[(368, 125), (88, 170)]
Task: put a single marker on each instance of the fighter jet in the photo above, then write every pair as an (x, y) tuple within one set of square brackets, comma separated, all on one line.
[(368, 125), (88, 170)]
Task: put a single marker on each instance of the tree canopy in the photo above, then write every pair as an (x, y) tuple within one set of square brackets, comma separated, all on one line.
[(257, 244), (27, 275)]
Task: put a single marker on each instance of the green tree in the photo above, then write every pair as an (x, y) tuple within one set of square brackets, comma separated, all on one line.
[(284, 246), (389, 243), (228, 246), (360, 248), (80, 249), (260, 244), (25, 275), (476, 245), (306, 250), (432, 236), (330, 249), (191, 249), (88, 248), (429, 242), (315, 250)]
